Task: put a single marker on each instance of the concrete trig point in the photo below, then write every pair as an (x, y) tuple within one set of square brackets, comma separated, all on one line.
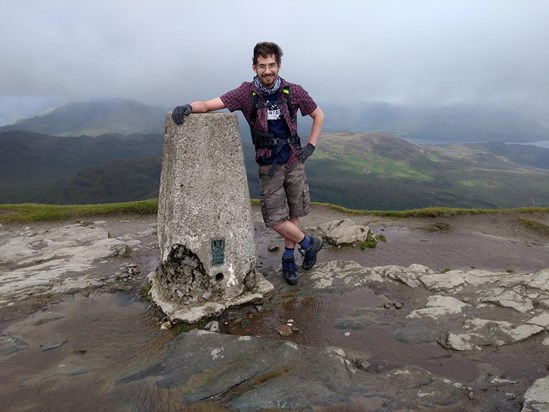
[(205, 228)]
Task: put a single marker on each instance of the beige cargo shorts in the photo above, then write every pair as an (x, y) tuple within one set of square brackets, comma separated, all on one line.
[(283, 195)]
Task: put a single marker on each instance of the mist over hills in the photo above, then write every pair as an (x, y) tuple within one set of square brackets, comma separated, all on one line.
[(361, 170), (451, 123)]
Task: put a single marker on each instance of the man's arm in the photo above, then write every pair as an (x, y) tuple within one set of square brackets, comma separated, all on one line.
[(204, 106), (318, 120), (199, 106), (304, 152)]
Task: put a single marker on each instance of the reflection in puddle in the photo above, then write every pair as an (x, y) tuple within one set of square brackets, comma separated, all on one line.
[(109, 337), (357, 322), (104, 336)]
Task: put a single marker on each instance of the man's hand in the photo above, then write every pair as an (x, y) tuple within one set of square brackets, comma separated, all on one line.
[(180, 112), (303, 153)]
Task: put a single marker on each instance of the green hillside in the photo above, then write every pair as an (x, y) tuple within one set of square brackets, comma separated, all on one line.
[(374, 171), (379, 171)]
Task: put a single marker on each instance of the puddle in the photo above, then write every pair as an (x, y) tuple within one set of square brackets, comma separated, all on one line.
[(103, 336), (357, 322), (107, 337)]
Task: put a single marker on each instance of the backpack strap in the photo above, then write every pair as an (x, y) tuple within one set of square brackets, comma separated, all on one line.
[(255, 107), (286, 91)]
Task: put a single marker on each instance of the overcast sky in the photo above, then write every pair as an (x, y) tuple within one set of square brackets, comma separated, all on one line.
[(169, 52)]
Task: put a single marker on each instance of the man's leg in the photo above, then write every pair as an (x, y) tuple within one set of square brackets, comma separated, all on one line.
[(292, 234), (297, 192), (290, 231)]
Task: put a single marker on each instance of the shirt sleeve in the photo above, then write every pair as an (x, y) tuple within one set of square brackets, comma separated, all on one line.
[(237, 99), (305, 102)]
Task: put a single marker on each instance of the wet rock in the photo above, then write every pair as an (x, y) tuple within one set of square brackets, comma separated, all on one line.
[(536, 398), (54, 260), (508, 299), (482, 332), (414, 335), (284, 330), (344, 232), (438, 306), (249, 374), (541, 320), (53, 345), (9, 345), (349, 324), (409, 377)]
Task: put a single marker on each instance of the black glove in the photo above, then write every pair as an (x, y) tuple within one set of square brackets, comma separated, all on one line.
[(180, 112), (303, 153)]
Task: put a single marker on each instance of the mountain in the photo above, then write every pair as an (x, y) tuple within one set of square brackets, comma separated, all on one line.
[(47, 169), (95, 118), (121, 180), (380, 171), (357, 170), (66, 158)]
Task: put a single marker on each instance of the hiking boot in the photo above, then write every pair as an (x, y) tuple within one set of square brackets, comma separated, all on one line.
[(289, 269), (309, 254)]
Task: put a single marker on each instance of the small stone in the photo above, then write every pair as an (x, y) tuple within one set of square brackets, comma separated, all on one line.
[(284, 330), (54, 345), (387, 305), (273, 248), (364, 365), (166, 325), (347, 333), (212, 326), (398, 305)]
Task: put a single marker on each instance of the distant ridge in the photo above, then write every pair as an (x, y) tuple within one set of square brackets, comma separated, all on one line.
[(95, 118), (373, 171)]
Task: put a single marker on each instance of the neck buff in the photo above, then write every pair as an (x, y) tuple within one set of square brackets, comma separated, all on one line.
[(264, 90)]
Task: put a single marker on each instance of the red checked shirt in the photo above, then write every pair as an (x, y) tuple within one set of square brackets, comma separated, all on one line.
[(241, 99)]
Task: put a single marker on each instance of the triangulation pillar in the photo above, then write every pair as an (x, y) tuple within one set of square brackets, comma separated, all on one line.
[(205, 228)]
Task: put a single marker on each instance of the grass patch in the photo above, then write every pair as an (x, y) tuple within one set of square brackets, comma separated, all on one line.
[(127, 252), (43, 321), (431, 211), (368, 244), (537, 226), (33, 212)]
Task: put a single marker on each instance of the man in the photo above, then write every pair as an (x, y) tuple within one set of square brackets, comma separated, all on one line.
[(269, 104)]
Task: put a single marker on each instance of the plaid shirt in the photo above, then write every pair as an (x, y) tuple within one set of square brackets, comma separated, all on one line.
[(241, 99)]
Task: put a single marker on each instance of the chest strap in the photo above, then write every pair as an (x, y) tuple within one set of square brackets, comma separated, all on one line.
[(267, 140)]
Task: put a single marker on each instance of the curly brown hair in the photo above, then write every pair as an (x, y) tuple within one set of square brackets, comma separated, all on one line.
[(265, 49)]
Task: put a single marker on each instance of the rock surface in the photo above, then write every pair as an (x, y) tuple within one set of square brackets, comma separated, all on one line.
[(408, 325)]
